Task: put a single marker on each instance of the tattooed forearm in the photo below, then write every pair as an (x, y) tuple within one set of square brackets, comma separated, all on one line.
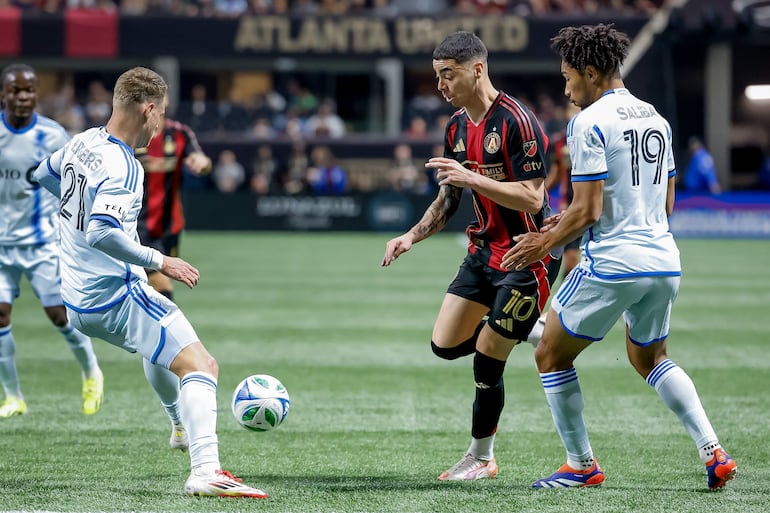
[(438, 213)]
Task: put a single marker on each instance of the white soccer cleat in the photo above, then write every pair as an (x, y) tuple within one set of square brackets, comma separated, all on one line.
[(470, 468), (179, 439), (220, 483)]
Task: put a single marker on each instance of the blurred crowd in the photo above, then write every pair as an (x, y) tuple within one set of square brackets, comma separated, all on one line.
[(385, 8), (309, 122)]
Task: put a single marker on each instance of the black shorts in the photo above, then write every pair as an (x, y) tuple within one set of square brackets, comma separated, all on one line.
[(512, 297)]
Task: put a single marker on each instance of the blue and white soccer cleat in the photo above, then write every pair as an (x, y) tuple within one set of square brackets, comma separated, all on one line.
[(568, 477), (720, 469)]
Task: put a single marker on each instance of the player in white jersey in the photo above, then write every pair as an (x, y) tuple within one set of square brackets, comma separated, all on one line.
[(104, 284), (623, 179), (29, 235)]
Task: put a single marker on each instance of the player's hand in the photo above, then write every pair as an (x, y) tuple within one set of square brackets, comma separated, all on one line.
[(451, 172), (551, 221), (179, 270), (528, 249), (396, 247), (198, 163)]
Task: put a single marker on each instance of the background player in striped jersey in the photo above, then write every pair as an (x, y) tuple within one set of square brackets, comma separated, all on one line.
[(623, 178), (104, 285), (170, 152), (29, 235), (495, 147)]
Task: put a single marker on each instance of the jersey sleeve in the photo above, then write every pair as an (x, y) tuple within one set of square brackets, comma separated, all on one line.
[(670, 162), (526, 145), (118, 192), (191, 144), (586, 149), (48, 173)]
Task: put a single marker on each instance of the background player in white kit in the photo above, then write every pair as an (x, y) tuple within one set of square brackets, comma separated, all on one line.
[(104, 284), (623, 181), (29, 235)]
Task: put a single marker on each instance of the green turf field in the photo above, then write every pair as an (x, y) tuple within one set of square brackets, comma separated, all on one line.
[(375, 417)]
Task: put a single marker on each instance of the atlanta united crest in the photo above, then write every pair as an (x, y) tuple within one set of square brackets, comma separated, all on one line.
[(492, 143)]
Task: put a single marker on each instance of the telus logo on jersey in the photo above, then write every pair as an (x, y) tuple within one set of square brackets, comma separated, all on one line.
[(115, 211)]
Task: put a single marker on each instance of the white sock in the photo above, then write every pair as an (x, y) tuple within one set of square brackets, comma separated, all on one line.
[(483, 448), (8, 374), (537, 332), (677, 390), (198, 406), (166, 386), (562, 391), (81, 347)]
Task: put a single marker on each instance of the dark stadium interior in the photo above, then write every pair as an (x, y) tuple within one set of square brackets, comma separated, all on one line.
[(262, 84)]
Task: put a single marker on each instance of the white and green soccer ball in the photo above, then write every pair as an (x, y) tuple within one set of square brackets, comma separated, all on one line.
[(260, 403)]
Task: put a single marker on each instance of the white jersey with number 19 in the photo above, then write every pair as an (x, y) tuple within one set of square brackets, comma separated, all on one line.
[(622, 140), (100, 179)]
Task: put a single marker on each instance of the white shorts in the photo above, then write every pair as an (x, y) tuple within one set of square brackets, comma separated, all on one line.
[(145, 322), (589, 307), (40, 264)]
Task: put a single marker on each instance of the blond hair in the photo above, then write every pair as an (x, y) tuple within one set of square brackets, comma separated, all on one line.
[(137, 86)]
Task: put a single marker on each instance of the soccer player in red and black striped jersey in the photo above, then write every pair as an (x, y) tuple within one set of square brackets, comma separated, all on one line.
[(161, 220), (172, 149), (495, 147)]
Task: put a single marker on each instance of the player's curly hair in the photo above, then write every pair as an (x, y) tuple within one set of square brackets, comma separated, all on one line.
[(600, 46), (461, 46)]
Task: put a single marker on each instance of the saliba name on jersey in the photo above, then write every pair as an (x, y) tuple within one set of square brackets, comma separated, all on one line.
[(636, 112)]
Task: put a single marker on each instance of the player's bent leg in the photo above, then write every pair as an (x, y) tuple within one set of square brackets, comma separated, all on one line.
[(161, 283)]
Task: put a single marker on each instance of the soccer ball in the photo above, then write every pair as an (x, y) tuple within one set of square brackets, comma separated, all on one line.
[(260, 403)]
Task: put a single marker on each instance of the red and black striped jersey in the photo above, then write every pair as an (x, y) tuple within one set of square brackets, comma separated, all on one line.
[(508, 145), (163, 160)]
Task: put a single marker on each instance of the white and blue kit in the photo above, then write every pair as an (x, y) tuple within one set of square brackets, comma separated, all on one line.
[(630, 263), (104, 285), (29, 230)]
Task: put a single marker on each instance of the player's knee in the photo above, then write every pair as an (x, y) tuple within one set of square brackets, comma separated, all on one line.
[(57, 315), (210, 365), (487, 371), (448, 353)]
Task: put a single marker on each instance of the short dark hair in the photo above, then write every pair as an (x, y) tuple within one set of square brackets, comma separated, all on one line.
[(600, 46), (16, 67), (461, 46)]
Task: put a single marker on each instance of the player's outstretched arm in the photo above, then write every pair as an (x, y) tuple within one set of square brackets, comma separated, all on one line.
[(179, 270), (433, 221), (104, 233)]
